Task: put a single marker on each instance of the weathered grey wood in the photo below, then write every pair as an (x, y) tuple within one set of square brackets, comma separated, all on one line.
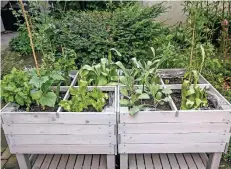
[(164, 161), (204, 158), (198, 161), (39, 161), (61, 140), (63, 161), (181, 161), (47, 161), (103, 162), (173, 161), (63, 149), (156, 161), (33, 158), (131, 161), (148, 161), (189, 161), (179, 86), (169, 117), (123, 161), (95, 161), (59, 118), (53, 129), (175, 138), (171, 148), (146, 128), (79, 161), (140, 161), (23, 161), (111, 161), (71, 161), (55, 161), (214, 161), (87, 162)]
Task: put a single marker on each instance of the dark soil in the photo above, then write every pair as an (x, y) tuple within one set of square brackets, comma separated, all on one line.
[(176, 97), (173, 80), (36, 108), (150, 105)]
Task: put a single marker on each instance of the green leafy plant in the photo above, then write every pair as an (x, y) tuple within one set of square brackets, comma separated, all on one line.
[(103, 73), (193, 97), (15, 87), (159, 95), (82, 99), (42, 93), (130, 93)]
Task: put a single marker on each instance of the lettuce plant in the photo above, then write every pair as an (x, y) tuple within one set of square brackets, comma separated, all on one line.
[(82, 99), (15, 87)]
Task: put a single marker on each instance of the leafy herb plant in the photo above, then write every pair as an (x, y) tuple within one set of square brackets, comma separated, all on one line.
[(15, 87), (82, 99), (42, 93)]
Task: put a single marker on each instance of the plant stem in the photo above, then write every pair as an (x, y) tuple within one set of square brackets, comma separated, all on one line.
[(192, 47), (30, 36)]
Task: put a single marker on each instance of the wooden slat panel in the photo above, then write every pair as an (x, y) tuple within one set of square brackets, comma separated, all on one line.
[(198, 161), (47, 161), (169, 117), (173, 161), (95, 161), (181, 161), (55, 161), (156, 161), (189, 161), (39, 161), (33, 158), (59, 118), (61, 139), (63, 149), (171, 148), (87, 162), (79, 162), (175, 138), (173, 128), (164, 161), (103, 163), (63, 161), (148, 161), (58, 129), (204, 158), (132, 161), (140, 161), (71, 161)]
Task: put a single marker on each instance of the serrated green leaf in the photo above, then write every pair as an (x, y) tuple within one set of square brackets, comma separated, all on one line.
[(124, 102), (48, 99), (36, 95)]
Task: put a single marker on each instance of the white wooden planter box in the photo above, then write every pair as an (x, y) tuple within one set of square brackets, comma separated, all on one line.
[(62, 132), (176, 131)]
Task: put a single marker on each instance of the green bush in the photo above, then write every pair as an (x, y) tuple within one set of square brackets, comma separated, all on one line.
[(131, 30)]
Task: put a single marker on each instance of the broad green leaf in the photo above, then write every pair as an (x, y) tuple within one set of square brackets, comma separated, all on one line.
[(134, 110), (167, 91), (124, 91), (102, 81), (144, 96), (124, 102), (19, 100), (35, 95), (87, 67), (48, 100), (158, 95)]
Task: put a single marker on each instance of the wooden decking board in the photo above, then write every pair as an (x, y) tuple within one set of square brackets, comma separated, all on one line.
[(140, 161), (132, 161), (47, 161), (79, 161), (39, 161), (103, 163), (55, 161), (95, 161), (165, 161), (71, 161), (63, 161), (87, 161), (173, 161)]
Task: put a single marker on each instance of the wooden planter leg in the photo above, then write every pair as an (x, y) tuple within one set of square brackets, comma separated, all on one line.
[(123, 161), (214, 160), (23, 161), (110, 161)]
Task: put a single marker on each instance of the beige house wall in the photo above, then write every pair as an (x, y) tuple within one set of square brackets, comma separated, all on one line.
[(173, 15)]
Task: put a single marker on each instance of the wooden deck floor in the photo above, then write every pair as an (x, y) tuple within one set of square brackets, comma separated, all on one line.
[(167, 161), (67, 161)]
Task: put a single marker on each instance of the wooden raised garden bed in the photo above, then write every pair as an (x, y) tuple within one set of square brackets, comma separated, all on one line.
[(62, 132), (176, 131)]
